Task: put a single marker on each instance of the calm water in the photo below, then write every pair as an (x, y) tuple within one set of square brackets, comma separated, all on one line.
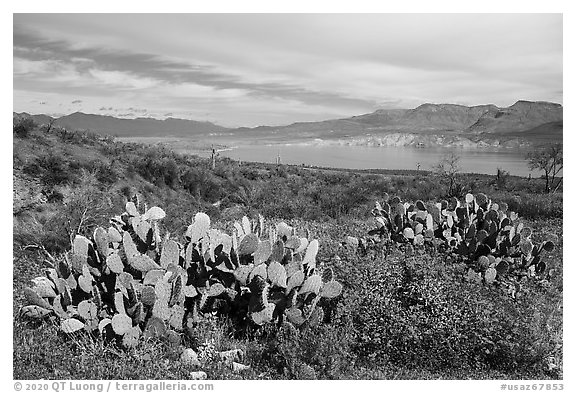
[(361, 157)]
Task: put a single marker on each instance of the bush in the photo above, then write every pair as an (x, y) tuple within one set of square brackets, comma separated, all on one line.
[(22, 126), (420, 314)]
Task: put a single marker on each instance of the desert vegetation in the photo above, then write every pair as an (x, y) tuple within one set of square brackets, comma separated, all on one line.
[(134, 262)]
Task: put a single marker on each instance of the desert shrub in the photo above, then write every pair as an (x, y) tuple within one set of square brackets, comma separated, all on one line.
[(84, 207), (322, 352), (502, 178), (201, 183), (23, 126), (533, 205), (420, 314), (51, 169)]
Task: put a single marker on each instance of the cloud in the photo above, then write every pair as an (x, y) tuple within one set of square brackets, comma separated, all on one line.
[(137, 110), (253, 69), (143, 70)]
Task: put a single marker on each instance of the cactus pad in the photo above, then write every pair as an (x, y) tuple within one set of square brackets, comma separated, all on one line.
[(490, 275), (293, 243), (248, 244), (246, 225), (101, 240), (502, 267), (408, 233), (161, 309), (87, 310), (80, 248), (155, 327), (154, 213), (548, 246), (177, 317), (483, 262), (198, 229), (264, 316), (152, 276), (34, 312), (295, 280), (242, 273), (33, 298), (148, 296), (121, 323), (114, 236), (141, 262), (215, 289), (58, 309), (526, 247), (262, 253), (277, 251), (114, 262), (259, 270), (131, 337), (295, 316), (303, 245), (310, 256), (44, 287), (71, 325), (170, 253), (103, 323), (131, 209), (311, 285), (163, 290), (85, 281), (125, 279), (284, 230), (119, 303), (137, 313), (277, 275), (176, 295), (331, 290)]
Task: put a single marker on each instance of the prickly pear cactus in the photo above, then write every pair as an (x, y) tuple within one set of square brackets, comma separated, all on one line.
[(129, 282), (481, 233)]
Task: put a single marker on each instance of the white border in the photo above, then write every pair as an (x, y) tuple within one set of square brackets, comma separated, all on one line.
[(358, 6)]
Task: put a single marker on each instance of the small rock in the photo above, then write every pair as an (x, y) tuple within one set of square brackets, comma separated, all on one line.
[(238, 367), (198, 375), (189, 357)]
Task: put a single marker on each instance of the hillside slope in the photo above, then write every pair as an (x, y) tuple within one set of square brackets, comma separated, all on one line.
[(399, 317)]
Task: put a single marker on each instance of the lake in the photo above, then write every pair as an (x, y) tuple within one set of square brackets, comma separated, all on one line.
[(353, 157), (362, 157)]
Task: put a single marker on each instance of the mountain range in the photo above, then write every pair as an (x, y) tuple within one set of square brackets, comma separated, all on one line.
[(427, 124), (129, 127)]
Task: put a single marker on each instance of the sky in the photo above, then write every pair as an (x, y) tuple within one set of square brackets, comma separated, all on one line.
[(275, 69)]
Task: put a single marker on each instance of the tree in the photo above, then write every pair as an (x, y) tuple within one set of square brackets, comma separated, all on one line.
[(448, 169), (549, 160)]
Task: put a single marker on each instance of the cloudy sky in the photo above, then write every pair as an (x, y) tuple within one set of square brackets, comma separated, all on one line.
[(254, 69)]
